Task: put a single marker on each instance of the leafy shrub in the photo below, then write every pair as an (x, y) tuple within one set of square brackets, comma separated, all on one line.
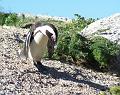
[(21, 20), (103, 50), (79, 23), (63, 44), (3, 16), (11, 19), (115, 90), (72, 45), (99, 50), (78, 47)]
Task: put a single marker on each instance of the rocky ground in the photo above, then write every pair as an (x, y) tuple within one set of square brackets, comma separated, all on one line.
[(21, 77)]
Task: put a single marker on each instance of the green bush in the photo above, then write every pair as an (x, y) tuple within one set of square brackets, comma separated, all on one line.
[(63, 44), (72, 45), (98, 50), (11, 20), (115, 90), (3, 16), (78, 47), (21, 20), (103, 50)]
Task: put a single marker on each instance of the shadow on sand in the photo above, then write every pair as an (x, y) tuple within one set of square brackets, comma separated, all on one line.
[(54, 73)]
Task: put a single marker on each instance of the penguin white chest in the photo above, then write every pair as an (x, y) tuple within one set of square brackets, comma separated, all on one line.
[(38, 46)]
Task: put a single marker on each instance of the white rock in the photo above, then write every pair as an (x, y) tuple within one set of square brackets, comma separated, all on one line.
[(108, 27)]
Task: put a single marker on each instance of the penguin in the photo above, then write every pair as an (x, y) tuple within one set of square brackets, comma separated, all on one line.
[(40, 37)]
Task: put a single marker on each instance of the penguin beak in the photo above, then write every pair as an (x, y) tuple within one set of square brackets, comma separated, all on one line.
[(48, 34), (51, 44)]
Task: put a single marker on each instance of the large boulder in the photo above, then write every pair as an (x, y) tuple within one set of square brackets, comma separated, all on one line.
[(108, 27)]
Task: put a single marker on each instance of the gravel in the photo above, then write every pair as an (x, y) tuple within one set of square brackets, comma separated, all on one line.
[(20, 77)]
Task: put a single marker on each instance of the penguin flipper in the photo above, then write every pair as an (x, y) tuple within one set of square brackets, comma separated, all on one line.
[(28, 40)]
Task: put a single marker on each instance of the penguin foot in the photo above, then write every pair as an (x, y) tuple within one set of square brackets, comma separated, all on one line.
[(40, 67)]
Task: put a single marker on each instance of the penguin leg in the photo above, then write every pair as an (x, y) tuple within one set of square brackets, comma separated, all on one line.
[(39, 63), (40, 66)]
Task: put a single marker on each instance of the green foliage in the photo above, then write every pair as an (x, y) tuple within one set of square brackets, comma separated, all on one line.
[(72, 45), (103, 50), (20, 21), (78, 23), (78, 47), (11, 19), (115, 90), (98, 50), (3, 16), (63, 44)]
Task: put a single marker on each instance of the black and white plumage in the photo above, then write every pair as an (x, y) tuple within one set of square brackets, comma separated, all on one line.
[(40, 36)]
